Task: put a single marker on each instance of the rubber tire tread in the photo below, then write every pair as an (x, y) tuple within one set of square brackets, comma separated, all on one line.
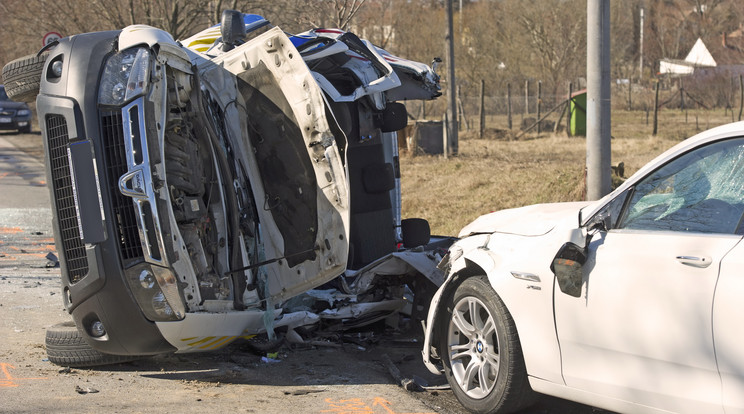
[(67, 347), (22, 77), (517, 393)]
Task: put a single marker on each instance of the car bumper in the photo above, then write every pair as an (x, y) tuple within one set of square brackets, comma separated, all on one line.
[(14, 123)]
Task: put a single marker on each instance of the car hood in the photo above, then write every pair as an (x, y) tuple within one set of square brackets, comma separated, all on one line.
[(295, 154), (534, 220)]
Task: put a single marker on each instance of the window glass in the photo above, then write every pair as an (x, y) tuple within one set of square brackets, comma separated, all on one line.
[(701, 191)]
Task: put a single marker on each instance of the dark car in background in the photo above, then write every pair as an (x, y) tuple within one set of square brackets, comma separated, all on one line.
[(14, 115)]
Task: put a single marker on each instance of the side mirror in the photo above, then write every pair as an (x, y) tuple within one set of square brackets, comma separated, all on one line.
[(232, 29), (567, 267)]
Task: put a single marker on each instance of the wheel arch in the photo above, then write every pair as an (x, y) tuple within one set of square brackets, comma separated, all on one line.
[(462, 269), (531, 311)]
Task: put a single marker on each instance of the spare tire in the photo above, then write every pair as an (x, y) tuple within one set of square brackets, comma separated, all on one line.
[(22, 77), (66, 346)]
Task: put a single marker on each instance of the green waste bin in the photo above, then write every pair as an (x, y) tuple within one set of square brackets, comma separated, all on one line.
[(578, 113)]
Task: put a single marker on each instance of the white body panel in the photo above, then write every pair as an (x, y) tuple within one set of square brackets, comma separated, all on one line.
[(728, 320), (641, 331)]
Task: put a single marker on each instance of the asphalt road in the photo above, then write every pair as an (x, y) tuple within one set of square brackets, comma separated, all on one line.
[(348, 376)]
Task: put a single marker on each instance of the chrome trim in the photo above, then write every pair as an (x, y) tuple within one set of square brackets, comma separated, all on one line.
[(137, 182), (75, 194), (526, 276)]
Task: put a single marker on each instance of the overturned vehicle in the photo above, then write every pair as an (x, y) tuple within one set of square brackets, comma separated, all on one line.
[(199, 185)]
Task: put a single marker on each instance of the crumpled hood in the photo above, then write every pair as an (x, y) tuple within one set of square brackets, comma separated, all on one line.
[(534, 220)]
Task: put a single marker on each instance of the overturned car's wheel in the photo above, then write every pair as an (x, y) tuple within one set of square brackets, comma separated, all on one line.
[(22, 77), (480, 349), (66, 346)]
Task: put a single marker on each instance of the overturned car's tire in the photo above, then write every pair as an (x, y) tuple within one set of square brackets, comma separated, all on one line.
[(66, 347), (22, 77)]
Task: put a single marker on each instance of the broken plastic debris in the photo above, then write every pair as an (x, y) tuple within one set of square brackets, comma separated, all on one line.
[(270, 360), (86, 390), (52, 260), (302, 392), (408, 384)]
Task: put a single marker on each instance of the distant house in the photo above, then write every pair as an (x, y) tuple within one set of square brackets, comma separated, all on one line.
[(725, 56)]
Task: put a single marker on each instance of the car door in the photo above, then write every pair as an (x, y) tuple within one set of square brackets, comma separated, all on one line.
[(642, 329), (728, 320)]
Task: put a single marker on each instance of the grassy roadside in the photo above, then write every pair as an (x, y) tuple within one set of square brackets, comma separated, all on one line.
[(493, 174)]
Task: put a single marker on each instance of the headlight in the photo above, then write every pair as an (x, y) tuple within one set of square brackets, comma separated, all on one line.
[(23, 112), (156, 291), (125, 76)]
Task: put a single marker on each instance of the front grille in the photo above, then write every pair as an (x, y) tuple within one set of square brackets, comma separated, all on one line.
[(7, 112), (116, 166), (74, 249)]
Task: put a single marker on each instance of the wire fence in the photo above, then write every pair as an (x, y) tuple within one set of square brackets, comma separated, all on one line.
[(515, 109)]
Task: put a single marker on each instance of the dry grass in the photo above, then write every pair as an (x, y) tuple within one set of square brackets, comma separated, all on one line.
[(493, 174)]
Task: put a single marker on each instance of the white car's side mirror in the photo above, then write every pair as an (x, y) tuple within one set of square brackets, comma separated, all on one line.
[(567, 267)]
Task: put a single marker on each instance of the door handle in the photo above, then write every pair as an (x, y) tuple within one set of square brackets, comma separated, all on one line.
[(694, 261)]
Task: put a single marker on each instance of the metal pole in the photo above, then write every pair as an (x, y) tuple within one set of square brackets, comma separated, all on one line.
[(598, 154), (451, 88)]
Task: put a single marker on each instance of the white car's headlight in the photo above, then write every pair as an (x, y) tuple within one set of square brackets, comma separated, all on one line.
[(23, 112), (125, 76)]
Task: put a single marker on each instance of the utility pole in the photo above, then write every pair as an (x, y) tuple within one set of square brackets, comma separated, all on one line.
[(598, 154), (451, 87)]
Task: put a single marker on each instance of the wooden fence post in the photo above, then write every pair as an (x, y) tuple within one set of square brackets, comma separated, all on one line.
[(656, 109), (508, 105), (741, 95), (539, 105), (461, 111), (630, 87), (526, 97), (570, 109), (482, 112)]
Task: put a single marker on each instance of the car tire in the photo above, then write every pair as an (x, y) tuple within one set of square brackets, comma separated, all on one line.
[(66, 346), (22, 77), (484, 366), (25, 130)]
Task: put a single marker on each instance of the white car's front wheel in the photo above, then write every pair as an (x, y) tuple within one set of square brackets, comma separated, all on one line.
[(481, 353)]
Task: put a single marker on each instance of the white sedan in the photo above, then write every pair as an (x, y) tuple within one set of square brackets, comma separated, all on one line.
[(633, 303)]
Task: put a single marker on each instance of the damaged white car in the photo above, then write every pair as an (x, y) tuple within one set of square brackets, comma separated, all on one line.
[(631, 303), (199, 185)]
